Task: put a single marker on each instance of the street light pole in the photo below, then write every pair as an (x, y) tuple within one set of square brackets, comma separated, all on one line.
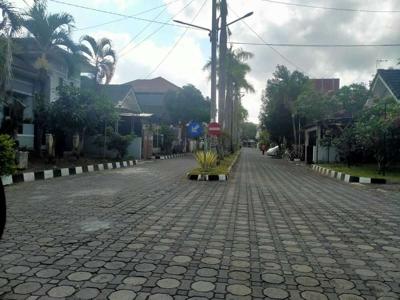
[(213, 33), (214, 38)]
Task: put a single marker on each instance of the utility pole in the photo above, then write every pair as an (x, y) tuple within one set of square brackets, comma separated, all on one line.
[(214, 38), (222, 65)]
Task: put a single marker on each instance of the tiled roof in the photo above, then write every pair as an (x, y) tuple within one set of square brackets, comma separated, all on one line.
[(121, 95), (155, 85), (392, 79)]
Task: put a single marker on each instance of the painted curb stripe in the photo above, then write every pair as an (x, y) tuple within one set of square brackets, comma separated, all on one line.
[(78, 170), (346, 177), (48, 174), (63, 172)]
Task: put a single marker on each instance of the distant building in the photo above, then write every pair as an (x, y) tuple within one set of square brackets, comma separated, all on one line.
[(386, 83), (327, 85), (151, 93)]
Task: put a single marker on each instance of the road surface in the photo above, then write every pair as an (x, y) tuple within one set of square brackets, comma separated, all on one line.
[(275, 230)]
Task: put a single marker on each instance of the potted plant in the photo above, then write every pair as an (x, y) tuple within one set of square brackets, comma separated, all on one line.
[(7, 167)]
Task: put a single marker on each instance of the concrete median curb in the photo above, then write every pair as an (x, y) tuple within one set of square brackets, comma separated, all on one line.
[(346, 177), (215, 177), (163, 157)]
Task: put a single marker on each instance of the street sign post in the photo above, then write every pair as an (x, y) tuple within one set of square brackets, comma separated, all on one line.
[(214, 129), (194, 129)]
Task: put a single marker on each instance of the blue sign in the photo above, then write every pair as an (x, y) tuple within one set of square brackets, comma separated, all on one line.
[(194, 129)]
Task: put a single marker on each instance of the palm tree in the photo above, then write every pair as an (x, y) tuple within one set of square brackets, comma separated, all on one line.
[(101, 55), (237, 70), (9, 25), (52, 36)]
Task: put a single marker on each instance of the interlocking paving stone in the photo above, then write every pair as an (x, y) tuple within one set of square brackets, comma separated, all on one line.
[(135, 280), (160, 297), (27, 287), (239, 290), (79, 276), (122, 295), (61, 291), (87, 293), (168, 283), (273, 278), (203, 286), (275, 230), (310, 295), (276, 293), (175, 270)]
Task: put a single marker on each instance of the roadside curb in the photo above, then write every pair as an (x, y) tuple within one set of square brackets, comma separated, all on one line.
[(64, 172), (346, 177), (162, 157), (215, 177)]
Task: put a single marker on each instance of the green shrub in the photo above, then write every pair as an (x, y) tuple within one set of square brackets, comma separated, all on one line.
[(7, 155), (119, 143), (206, 160)]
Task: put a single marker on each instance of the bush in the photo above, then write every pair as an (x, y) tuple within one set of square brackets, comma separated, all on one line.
[(7, 155), (119, 143), (206, 160)]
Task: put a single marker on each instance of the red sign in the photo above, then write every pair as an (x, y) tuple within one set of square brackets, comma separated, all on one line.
[(214, 129)]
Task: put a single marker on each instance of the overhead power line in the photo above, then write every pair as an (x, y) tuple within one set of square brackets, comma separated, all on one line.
[(153, 32), (177, 42), (316, 45), (331, 8), (118, 14), (125, 18), (266, 44)]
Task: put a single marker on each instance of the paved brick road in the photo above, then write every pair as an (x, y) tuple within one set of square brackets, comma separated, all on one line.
[(274, 231)]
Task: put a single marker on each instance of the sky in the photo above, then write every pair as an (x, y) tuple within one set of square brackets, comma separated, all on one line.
[(149, 50)]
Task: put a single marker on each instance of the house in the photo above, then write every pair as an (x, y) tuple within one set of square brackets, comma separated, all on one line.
[(151, 94), (131, 118), (326, 85), (316, 134), (25, 84), (386, 83)]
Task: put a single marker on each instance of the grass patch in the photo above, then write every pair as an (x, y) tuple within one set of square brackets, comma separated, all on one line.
[(221, 169), (392, 175)]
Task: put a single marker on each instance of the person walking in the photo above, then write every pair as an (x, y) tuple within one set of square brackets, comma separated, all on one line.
[(263, 148)]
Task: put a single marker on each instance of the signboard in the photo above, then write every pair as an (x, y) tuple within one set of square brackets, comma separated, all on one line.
[(194, 129), (214, 129)]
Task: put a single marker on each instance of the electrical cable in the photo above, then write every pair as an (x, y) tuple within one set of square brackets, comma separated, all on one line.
[(177, 42), (124, 18), (119, 14), (266, 44), (315, 45), (153, 32), (331, 8)]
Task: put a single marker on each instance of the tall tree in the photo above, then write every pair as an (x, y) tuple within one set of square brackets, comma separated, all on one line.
[(187, 104), (279, 103), (101, 55), (278, 113), (52, 36), (9, 26), (237, 70)]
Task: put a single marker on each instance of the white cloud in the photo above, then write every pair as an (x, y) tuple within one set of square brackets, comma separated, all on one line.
[(275, 23)]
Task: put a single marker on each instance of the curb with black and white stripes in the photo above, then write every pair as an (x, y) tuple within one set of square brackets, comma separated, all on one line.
[(162, 157), (63, 172), (219, 177), (346, 177)]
